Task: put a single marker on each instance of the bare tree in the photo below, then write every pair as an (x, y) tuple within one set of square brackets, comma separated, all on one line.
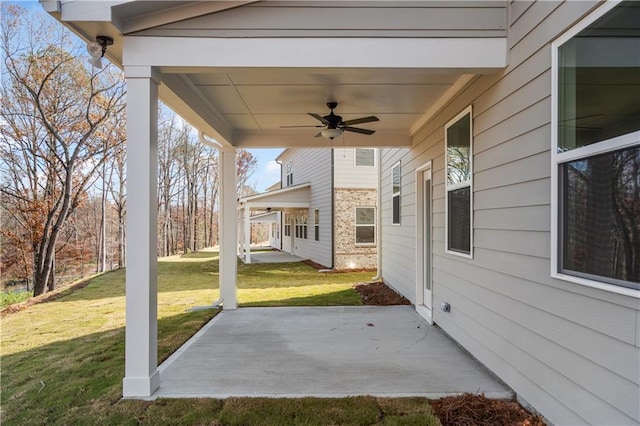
[(53, 110)]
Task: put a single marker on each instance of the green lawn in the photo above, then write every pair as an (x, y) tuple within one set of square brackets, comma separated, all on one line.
[(63, 361)]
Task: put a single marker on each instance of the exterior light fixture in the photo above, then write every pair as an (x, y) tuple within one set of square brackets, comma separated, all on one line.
[(331, 133), (97, 49)]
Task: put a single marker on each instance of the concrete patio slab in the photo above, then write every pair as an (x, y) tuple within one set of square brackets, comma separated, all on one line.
[(323, 352), (273, 256)]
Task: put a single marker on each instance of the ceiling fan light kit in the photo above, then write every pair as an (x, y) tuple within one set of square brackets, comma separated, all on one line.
[(97, 50), (331, 133), (334, 126)]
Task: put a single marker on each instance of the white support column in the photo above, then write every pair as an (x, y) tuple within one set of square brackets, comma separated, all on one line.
[(228, 228), (141, 342), (241, 248), (247, 234)]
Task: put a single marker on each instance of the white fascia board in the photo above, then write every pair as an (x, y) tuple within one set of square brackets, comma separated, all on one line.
[(279, 205), (82, 10), (270, 139), (279, 157), (265, 217), (50, 6), (434, 53), (275, 192)]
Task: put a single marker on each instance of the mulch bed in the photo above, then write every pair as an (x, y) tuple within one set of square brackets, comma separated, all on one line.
[(377, 293), (477, 410)]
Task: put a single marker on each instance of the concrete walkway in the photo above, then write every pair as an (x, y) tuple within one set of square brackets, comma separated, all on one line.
[(324, 352)]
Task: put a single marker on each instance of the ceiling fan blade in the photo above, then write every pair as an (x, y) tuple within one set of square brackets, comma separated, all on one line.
[(369, 119), (358, 130), (291, 127), (319, 118)]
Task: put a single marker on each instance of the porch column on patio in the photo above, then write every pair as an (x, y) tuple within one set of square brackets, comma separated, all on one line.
[(247, 234), (141, 341), (241, 232), (228, 228)]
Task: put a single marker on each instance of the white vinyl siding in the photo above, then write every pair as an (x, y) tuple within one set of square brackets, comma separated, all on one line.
[(313, 165), (538, 334), (348, 175)]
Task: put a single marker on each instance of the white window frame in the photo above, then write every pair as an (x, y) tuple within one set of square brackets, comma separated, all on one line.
[(374, 225), (398, 194), (557, 159), (289, 173), (468, 110), (355, 157)]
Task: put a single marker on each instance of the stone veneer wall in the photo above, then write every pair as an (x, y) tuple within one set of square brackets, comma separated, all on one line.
[(347, 254)]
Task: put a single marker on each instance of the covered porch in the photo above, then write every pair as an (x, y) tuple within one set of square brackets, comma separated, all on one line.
[(381, 351), (250, 74), (262, 207)]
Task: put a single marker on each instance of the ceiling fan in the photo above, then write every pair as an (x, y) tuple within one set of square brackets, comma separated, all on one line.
[(333, 126)]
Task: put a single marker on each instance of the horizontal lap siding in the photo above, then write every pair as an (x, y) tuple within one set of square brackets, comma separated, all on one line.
[(348, 175), (398, 244), (314, 166), (346, 19), (569, 350)]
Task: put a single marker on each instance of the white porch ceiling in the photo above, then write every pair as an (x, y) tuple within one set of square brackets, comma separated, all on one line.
[(265, 99), (243, 90)]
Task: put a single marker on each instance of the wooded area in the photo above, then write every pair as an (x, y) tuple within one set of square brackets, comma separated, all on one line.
[(63, 162)]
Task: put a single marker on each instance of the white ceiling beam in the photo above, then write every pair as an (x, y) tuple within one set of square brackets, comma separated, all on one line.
[(435, 53), (181, 96), (270, 139), (456, 88)]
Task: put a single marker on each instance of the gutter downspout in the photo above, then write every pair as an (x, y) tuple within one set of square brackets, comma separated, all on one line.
[(378, 276), (216, 304)]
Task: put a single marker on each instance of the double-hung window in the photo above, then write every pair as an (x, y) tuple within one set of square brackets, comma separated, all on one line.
[(289, 173), (365, 157), (459, 188), (365, 225), (316, 224), (287, 224), (596, 151), (395, 193)]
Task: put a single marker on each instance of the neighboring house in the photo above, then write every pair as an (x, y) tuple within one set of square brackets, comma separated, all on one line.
[(509, 174), (324, 208)]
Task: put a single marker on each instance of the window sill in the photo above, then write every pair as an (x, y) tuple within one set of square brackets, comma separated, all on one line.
[(598, 285), (459, 254)]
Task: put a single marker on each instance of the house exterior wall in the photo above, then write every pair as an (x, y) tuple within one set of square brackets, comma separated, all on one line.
[(348, 175), (312, 166), (348, 254), (570, 351)]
